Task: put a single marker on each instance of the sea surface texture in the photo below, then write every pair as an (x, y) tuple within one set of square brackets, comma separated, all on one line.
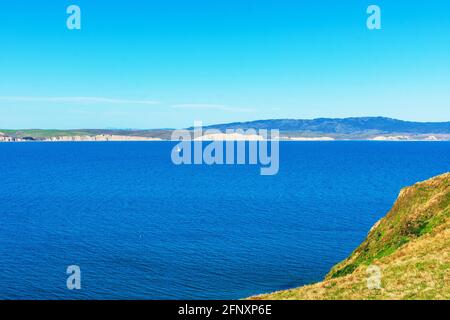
[(140, 227)]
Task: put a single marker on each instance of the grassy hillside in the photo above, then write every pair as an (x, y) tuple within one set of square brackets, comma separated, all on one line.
[(411, 245), (39, 134)]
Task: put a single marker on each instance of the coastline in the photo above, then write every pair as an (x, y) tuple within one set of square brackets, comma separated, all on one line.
[(236, 140), (166, 136), (321, 129)]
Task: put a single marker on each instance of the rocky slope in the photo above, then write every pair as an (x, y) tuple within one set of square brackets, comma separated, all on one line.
[(410, 246)]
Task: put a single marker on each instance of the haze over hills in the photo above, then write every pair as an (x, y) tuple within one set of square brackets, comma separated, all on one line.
[(356, 128)]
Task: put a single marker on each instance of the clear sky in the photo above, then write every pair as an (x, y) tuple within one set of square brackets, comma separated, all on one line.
[(166, 63)]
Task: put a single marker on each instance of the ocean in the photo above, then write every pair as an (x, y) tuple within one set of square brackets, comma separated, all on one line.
[(140, 227)]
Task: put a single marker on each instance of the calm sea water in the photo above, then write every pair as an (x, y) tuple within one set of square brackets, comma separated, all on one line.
[(141, 228)]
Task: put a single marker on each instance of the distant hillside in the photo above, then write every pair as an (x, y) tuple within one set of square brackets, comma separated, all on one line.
[(410, 245), (368, 128), (371, 125), (44, 134)]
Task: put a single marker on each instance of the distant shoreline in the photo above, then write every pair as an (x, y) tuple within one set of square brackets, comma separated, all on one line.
[(206, 139), (322, 129)]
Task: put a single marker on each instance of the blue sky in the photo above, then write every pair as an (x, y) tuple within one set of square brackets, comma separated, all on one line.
[(166, 63)]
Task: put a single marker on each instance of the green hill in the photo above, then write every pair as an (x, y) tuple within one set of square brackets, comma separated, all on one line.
[(355, 125), (410, 245)]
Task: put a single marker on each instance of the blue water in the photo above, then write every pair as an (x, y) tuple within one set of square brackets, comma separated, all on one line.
[(142, 228)]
